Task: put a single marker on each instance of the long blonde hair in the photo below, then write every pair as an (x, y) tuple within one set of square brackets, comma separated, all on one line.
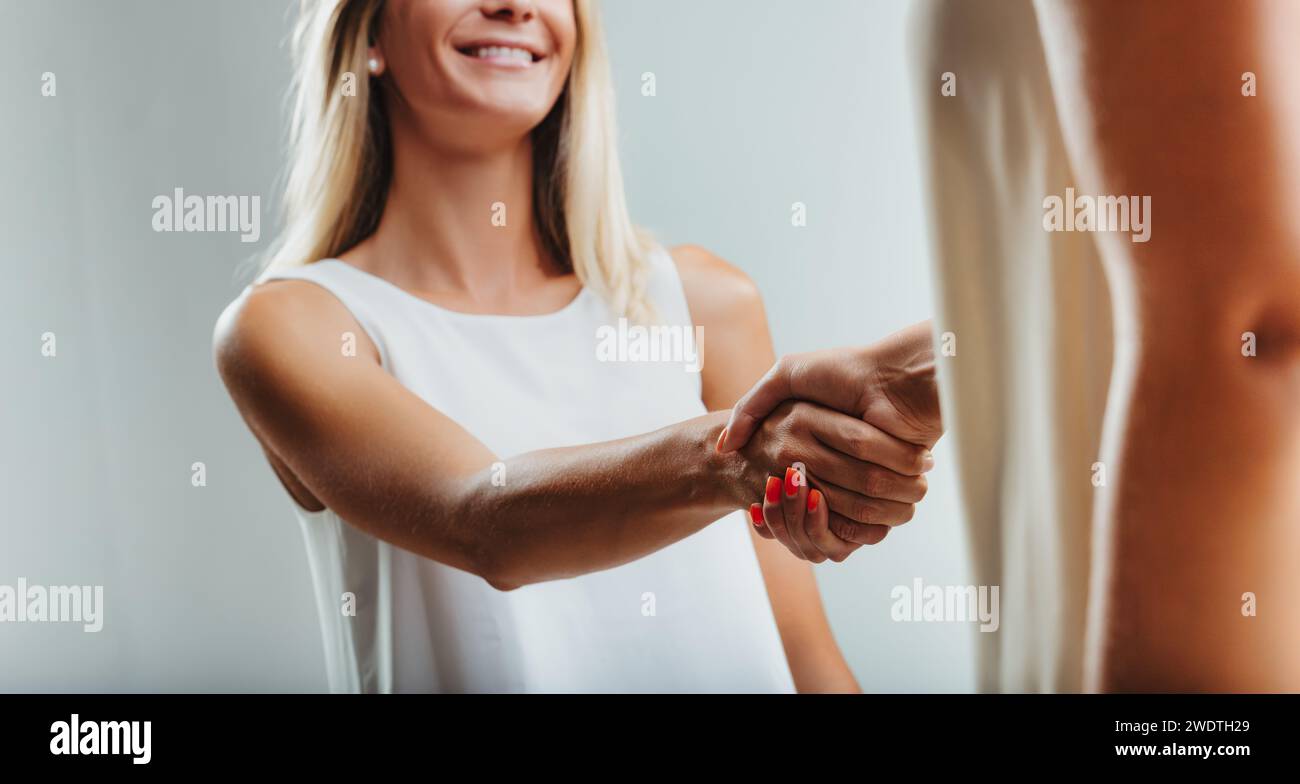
[(341, 164)]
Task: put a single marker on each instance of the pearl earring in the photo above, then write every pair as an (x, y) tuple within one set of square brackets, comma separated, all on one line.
[(373, 64)]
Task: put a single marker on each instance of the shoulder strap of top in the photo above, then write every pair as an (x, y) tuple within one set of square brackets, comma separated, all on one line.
[(360, 295)]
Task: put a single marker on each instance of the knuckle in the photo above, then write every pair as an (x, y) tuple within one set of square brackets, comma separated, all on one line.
[(860, 444), (876, 483), (918, 460), (863, 511), (843, 529)]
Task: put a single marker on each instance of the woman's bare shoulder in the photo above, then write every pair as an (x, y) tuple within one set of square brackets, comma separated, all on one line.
[(717, 292), (272, 326)]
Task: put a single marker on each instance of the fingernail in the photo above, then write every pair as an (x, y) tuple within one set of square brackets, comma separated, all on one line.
[(721, 437), (791, 482), (814, 499), (756, 515), (773, 490), (927, 462)]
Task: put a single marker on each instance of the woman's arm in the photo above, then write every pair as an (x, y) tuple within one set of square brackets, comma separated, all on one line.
[(389, 463), (727, 305), (1195, 585)]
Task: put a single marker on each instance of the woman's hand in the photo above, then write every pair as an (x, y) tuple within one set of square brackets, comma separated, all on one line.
[(865, 480), (890, 386), (791, 507)]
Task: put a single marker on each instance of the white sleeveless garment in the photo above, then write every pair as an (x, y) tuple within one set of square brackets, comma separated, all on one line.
[(693, 617), (1024, 393)]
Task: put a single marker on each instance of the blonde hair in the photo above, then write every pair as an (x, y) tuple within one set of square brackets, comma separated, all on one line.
[(341, 163)]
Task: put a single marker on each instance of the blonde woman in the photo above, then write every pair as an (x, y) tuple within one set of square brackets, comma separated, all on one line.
[(486, 506)]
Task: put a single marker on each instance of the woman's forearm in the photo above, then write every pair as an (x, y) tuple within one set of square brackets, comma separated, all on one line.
[(558, 513)]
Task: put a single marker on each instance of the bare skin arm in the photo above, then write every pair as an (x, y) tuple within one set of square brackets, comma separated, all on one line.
[(1202, 442), (739, 349), (354, 438)]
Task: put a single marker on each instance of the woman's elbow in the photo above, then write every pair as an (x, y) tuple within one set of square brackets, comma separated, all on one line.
[(509, 569), (492, 562), (502, 579)]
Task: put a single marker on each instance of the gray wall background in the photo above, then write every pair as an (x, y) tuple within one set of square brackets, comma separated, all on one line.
[(758, 105)]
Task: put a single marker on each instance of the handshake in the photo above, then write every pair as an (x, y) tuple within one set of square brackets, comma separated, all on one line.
[(851, 432)]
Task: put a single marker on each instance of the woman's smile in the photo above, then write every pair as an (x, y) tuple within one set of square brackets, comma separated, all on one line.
[(501, 54)]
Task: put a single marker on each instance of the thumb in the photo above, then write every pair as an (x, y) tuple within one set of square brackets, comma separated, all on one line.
[(771, 390)]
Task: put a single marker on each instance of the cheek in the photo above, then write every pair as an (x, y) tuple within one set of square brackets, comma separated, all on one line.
[(564, 27), (410, 38), (564, 69)]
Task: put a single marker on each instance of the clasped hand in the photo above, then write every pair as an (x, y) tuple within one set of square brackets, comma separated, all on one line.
[(853, 429)]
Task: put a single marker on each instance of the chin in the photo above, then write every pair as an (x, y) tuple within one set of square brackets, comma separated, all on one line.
[(512, 109), (520, 113), (485, 127)]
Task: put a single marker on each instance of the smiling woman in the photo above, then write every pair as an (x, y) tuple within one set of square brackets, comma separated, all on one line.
[(431, 86), (487, 504)]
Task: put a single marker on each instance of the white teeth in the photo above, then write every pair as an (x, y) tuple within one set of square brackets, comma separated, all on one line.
[(509, 52)]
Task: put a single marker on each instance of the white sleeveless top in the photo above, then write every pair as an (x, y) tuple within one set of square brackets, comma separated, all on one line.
[(692, 617)]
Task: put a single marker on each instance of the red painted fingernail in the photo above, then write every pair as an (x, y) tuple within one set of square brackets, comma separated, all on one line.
[(756, 515), (721, 437), (773, 489), (814, 499), (792, 482)]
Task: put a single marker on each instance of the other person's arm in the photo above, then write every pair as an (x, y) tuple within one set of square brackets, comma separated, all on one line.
[(1195, 586)]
